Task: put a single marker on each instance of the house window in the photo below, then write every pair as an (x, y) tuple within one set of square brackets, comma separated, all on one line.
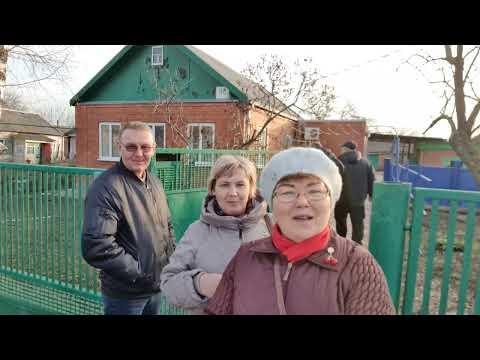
[(7, 148), (30, 148), (157, 55), (108, 138), (201, 136), (262, 139), (158, 134)]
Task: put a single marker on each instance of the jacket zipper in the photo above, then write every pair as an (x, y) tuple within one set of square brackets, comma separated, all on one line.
[(289, 267), (240, 235)]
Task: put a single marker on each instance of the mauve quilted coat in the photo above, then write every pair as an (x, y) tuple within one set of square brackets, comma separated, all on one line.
[(355, 285)]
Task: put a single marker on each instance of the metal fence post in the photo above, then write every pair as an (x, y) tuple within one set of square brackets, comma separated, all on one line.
[(387, 231), (387, 170)]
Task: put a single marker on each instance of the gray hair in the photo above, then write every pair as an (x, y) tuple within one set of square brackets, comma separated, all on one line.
[(226, 164), (135, 125)]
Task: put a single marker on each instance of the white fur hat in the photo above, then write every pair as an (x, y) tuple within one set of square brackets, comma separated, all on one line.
[(300, 161)]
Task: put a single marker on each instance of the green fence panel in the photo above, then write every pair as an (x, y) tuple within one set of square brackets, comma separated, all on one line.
[(184, 169), (41, 217), (185, 207), (387, 231)]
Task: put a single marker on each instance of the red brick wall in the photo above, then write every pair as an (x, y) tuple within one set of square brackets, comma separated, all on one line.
[(435, 157), (277, 129), (227, 118), (334, 133)]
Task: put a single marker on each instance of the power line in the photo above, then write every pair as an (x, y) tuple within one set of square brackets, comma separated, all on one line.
[(367, 62)]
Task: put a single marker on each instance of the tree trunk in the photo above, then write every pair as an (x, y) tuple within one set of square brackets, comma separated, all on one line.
[(468, 152), (3, 70)]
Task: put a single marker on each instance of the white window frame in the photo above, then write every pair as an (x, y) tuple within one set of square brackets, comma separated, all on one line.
[(152, 126), (155, 56), (200, 162), (110, 157)]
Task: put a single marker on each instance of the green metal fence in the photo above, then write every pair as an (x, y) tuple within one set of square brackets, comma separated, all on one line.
[(438, 273), (41, 215), (181, 169)]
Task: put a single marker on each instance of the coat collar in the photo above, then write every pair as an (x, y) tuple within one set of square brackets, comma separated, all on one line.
[(265, 245)]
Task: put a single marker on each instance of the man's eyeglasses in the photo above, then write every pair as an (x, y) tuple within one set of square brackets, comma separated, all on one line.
[(288, 196), (131, 148)]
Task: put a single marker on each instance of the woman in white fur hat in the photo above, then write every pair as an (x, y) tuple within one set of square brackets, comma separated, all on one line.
[(304, 267)]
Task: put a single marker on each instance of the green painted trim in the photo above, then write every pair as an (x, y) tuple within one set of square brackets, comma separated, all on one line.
[(203, 65), (210, 151), (52, 169), (103, 71), (154, 103), (433, 146)]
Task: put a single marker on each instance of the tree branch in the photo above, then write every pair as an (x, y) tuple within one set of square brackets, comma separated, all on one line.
[(449, 57), (471, 64), (441, 117), (475, 129), (473, 116)]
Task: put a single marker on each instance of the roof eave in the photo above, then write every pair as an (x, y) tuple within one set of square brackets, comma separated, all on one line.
[(76, 98)]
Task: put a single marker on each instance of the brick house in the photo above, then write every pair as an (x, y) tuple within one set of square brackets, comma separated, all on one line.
[(333, 133), (215, 107)]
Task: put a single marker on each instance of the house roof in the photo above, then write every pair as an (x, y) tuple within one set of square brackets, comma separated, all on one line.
[(243, 88), (33, 137), (413, 136), (25, 122)]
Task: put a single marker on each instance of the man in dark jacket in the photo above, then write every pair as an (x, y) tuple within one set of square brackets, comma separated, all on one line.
[(127, 232), (358, 183)]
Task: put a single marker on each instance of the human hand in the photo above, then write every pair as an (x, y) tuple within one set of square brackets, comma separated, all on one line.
[(207, 283)]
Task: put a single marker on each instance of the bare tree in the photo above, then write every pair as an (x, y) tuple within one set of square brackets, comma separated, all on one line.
[(30, 65), (12, 99), (170, 85), (349, 111), (458, 78), (283, 91), (57, 114)]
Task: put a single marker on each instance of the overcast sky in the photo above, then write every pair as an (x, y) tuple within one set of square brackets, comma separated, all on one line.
[(374, 79)]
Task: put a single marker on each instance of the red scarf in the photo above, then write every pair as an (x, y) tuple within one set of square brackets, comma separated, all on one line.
[(297, 251)]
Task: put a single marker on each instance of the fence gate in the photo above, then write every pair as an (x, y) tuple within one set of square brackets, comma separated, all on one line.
[(427, 244)]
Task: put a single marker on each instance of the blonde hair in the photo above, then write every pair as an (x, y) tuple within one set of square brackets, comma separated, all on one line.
[(226, 165), (135, 125)]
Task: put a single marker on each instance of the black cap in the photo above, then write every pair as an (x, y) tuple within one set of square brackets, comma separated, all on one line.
[(350, 145)]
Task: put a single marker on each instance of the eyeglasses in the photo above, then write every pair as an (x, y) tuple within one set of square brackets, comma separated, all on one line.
[(131, 148), (288, 196)]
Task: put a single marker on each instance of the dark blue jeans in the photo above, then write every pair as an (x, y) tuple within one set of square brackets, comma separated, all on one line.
[(144, 306)]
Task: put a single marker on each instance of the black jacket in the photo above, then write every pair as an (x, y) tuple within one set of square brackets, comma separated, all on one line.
[(127, 232), (358, 179)]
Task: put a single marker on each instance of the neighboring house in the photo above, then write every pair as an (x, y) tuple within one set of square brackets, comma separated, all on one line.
[(215, 106), (435, 153), (333, 133), (29, 138), (411, 145)]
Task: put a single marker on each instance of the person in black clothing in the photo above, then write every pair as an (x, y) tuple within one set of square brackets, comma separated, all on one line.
[(127, 231), (358, 183)]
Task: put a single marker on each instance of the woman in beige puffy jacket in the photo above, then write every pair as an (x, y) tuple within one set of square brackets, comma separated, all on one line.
[(232, 214)]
